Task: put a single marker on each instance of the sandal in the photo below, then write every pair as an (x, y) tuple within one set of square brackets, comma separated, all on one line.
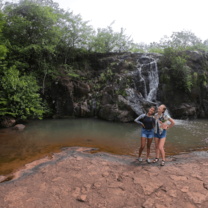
[(162, 163), (148, 160), (155, 160)]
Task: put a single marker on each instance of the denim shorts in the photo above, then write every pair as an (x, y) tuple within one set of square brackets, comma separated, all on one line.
[(147, 133), (161, 136)]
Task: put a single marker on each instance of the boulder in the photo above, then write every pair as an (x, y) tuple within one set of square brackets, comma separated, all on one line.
[(111, 113), (19, 127), (138, 104), (82, 110), (124, 104), (125, 116), (185, 110), (7, 121), (194, 55)]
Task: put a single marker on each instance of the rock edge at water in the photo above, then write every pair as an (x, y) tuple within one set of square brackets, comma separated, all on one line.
[(75, 178)]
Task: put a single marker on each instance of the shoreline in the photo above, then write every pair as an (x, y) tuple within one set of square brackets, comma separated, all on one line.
[(65, 152), (75, 177)]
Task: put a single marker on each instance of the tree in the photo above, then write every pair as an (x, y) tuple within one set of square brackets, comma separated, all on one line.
[(105, 40), (76, 34), (123, 42), (32, 37)]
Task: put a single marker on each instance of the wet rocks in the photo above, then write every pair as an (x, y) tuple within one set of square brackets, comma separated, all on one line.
[(112, 75), (185, 110), (19, 127), (112, 113), (7, 121), (83, 110)]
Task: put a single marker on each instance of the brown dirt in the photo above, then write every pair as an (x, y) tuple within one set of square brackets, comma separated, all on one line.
[(74, 178)]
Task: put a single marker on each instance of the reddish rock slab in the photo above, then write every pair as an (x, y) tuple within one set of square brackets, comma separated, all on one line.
[(75, 178)]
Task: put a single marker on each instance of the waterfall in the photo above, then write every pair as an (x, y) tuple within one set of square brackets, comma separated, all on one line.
[(153, 81), (150, 69), (146, 81), (142, 80)]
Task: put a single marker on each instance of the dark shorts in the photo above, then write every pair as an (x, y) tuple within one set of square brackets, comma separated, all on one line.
[(161, 136), (147, 133)]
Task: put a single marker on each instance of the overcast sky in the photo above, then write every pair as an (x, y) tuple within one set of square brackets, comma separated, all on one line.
[(146, 20)]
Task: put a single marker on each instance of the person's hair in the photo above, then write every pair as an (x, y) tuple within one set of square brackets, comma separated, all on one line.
[(164, 109), (152, 107)]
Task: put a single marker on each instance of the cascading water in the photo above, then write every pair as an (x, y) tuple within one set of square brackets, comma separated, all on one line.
[(153, 81), (146, 81), (143, 80)]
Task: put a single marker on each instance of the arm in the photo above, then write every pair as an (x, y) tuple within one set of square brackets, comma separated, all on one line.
[(138, 118), (172, 123), (165, 126)]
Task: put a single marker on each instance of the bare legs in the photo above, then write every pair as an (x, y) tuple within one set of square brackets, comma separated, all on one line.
[(159, 147), (143, 142)]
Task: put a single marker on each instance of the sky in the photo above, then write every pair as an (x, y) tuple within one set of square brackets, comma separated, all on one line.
[(145, 20)]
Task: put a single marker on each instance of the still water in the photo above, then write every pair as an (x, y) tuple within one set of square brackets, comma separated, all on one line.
[(41, 138)]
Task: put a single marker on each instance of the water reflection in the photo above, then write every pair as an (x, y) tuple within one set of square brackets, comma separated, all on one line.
[(40, 138)]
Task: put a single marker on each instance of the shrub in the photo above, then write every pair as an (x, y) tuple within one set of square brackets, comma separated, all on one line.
[(182, 73), (19, 95)]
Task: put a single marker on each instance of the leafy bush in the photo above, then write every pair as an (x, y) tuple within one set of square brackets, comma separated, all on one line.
[(165, 78), (182, 73), (19, 95)]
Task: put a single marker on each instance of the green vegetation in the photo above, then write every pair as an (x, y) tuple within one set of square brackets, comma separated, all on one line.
[(19, 95), (182, 74), (37, 37)]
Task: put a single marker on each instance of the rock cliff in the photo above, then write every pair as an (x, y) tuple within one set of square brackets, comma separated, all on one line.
[(121, 86)]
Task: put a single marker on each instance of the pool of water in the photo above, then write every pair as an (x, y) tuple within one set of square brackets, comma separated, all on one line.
[(41, 138)]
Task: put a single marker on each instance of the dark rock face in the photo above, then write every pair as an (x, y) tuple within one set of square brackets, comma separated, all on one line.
[(115, 92), (111, 113), (83, 110), (189, 104), (61, 93), (106, 99), (205, 106), (81, 89), (185, 110), (116, 86)]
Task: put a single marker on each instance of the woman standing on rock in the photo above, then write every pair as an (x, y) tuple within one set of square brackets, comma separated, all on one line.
[(160, 132), (148, 122)]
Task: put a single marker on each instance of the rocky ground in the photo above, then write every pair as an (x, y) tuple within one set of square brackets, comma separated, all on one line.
[(75, 178)]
